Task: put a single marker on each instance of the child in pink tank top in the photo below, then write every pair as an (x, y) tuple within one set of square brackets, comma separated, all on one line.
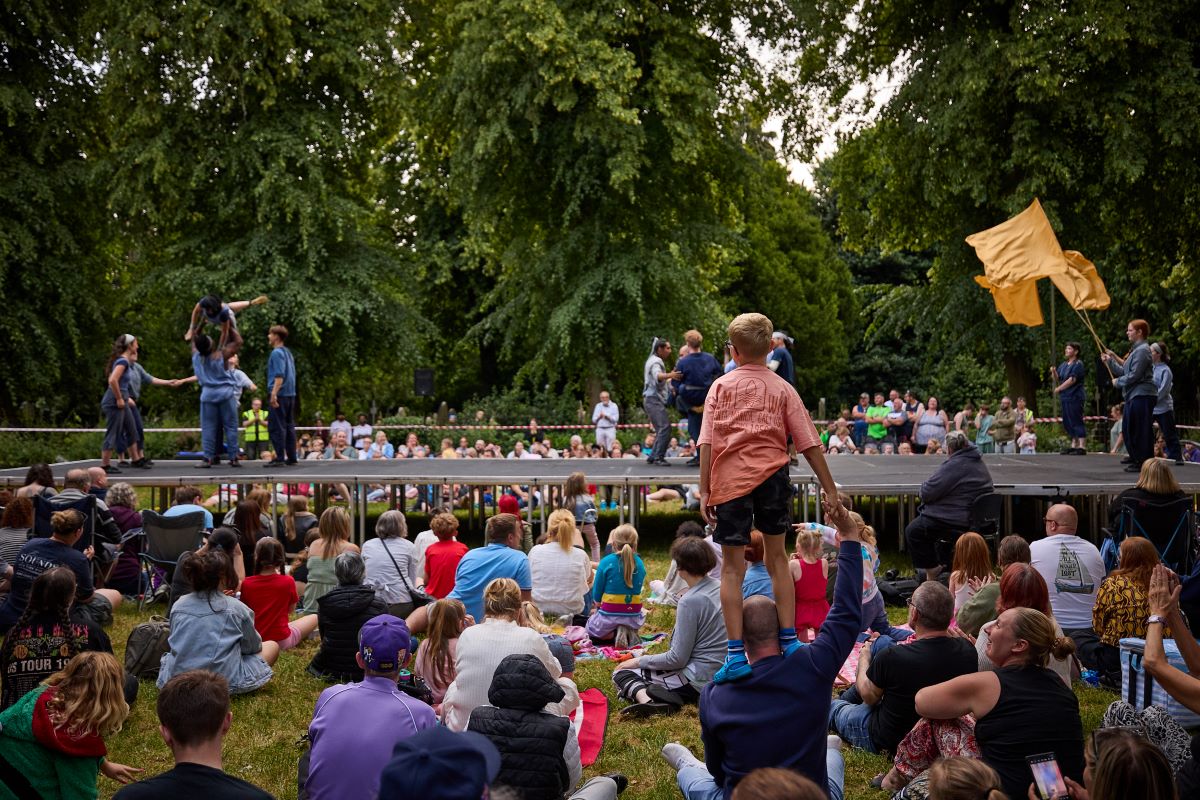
[(810, 573)]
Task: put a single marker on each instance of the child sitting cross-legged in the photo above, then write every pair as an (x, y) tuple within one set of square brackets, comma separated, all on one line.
[(617, 592), (272, 597)]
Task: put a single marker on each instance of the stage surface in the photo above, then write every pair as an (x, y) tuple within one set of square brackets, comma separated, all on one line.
[(1039, 475)]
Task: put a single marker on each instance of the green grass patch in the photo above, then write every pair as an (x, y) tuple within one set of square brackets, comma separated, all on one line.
[(261, 746)]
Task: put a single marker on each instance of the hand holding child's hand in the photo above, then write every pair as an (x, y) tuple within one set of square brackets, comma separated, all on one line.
[(836, 514)]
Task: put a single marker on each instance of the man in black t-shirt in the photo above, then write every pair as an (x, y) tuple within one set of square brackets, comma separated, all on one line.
[(193, 711), (880, 709)]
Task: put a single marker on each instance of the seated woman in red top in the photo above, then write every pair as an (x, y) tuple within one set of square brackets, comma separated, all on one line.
[(272, 597), (441, 559)]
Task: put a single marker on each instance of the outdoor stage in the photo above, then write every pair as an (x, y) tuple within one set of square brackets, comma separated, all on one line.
[(886, 486)]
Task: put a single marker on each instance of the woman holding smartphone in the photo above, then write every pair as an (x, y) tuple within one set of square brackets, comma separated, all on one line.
[(1022, 709)]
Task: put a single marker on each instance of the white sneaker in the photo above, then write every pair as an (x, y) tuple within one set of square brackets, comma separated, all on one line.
[(679, 756)]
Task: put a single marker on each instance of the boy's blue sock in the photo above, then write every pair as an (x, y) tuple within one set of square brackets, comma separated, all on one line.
[(788, 641), (736, 666)]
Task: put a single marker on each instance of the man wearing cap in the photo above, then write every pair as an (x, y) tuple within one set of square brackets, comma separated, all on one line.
[(355, 726)]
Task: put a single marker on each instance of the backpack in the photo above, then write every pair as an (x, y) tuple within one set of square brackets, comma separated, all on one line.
[(896, 592), (145, 647)]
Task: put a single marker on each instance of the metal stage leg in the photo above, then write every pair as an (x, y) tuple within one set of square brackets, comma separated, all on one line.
[(361, 494)]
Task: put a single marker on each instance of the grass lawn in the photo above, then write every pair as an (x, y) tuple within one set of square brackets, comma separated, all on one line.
[(262, 749)]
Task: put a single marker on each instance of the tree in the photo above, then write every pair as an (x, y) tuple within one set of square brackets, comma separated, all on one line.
[(1085, 105), (598, 154), (57, 265)]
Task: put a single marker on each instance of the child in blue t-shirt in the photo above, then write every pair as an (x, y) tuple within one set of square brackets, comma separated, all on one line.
[(223, 315)]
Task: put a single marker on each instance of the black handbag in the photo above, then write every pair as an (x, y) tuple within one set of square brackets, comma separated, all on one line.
[(419, 596)]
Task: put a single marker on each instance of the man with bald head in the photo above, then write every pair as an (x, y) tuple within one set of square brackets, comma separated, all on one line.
[(1073, 569), (76, 486), (99, 480), (776, 717)]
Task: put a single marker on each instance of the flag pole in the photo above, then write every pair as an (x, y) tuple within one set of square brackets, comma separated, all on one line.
[(1053, 346)]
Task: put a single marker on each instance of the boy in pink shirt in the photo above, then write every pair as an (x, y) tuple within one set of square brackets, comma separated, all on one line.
[(748, 417)]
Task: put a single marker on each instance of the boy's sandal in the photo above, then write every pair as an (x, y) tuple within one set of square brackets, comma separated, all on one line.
[(877, 781)]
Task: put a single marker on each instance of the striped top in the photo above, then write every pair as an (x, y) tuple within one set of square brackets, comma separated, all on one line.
[(611, 592)]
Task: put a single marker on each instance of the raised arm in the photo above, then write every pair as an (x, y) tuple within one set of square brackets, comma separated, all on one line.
[(231, 342), (836, 639), (1164, 601)]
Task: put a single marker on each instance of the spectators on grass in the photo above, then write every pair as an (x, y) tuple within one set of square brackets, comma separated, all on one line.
[(52, 739), (1021, 586), (355, 726), (297, 522), (39, 481), (777, 716), (663, 683), (194, 717), (272, 597), (211, 630), (248, 524), (1122, 605), (14, 527), (223, 539), (483, 646), (1020, 709), (1072, 569), (560, 572), (434, 661), (500, 558), (442, 556), (617, 591), (185, 502), (391, 561), (59, 549), (878, 711), (125, 575), (341, 613), (980, 608), (334, 526), (971, 569)]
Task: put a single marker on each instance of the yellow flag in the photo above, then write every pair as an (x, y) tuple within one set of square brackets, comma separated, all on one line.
[(1018, 304), (1018, 252)]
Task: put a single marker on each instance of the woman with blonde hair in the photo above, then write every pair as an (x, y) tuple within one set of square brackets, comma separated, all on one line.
[(482, 647), (52, 740), (334, 540), (561, 572), (971, 569), (1022, 707), (297, 522), (434, 661), (617, 589)]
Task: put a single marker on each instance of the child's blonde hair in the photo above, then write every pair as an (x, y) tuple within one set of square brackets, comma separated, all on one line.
[(865, 531), (89, 696), (625, 542), (532, 618), (561, 528), (808, 543), (751, 335), (502, 598)]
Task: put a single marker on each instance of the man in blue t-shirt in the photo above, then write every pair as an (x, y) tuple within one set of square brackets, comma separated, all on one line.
[(218, 393), (1068, 385), (501, 558), (697, 372), (281, 382), (780, 360)]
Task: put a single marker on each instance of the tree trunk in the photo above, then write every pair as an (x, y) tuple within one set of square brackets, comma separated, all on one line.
[(1022, 382)]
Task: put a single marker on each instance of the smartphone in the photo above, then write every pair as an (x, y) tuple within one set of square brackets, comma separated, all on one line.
[(1048, 777)]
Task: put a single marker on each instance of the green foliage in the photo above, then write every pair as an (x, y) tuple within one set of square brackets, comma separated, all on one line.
[(1085, 106)]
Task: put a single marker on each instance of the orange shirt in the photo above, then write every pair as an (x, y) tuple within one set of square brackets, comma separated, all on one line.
[(748, 416)]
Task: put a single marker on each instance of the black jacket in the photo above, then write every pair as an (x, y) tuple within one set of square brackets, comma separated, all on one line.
[(948, 493), (530, 741), (340, 615)]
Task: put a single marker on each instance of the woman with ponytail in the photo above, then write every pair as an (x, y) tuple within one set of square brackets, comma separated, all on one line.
[(560, 570), (617, 591), (120, 432), (1022, 708)]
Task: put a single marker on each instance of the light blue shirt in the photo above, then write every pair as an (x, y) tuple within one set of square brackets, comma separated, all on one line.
[(651, 385), (481, 566), (212, 631), (757, 581), (1164, 380), (217, 383), (388, 450), (187, 508)]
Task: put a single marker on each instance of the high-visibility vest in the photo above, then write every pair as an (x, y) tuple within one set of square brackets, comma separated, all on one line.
[(256, 433)]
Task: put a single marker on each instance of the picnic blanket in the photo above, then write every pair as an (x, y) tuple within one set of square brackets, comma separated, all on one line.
[(585, 650), (590, 722)]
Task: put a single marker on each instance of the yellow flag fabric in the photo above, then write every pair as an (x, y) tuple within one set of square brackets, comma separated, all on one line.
[(1018, 252), (1018, 304)]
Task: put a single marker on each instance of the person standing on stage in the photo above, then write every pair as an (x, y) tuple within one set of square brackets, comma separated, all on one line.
[(218, 393), (1164, 405), (654, 398), (281, 380), (699, 369), (1068, 378), (605, 417), (1135, 378)]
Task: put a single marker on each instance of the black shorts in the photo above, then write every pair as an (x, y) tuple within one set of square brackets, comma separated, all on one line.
[(765, 508)]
